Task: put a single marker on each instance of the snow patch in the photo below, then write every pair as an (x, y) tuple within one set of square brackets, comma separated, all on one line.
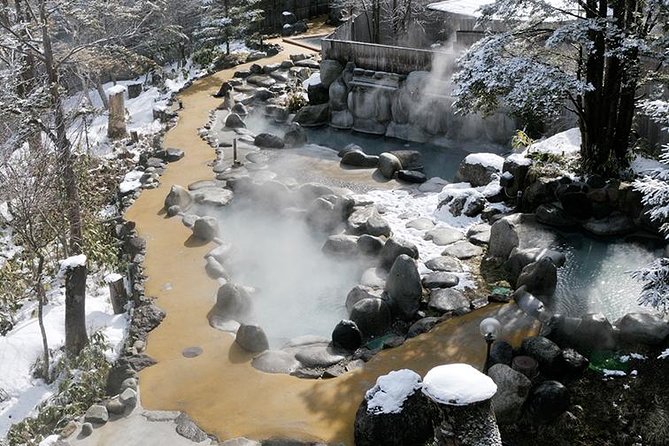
[(113, 277), (610, 373), (314, 79), (519, 159), (71, 263), (664, 354), (485, 159), (116, 89), (564, 143), (391, 391), (458, 385), (131, 181)]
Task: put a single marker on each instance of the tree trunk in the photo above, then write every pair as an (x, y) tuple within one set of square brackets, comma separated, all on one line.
[(75, 310), (75, 307), (41, 301)]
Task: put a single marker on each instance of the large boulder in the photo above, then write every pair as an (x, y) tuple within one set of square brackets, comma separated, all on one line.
[(643, 328), (252, 338), (520, 258), (318, 94), (313, 115), (205, 228), (295, 136), (404, 288), (338, 97), (395, 412), (347, 335), (341, 245), (548, 400), (178, 196), (448, 300), (358, 293), (358, 158), (517, 231), (372, 316), (269, 141), (539, 278), (389, 164), (440, 279), (479, 168), (395, 247), (234, 121), (409, 159), (330, 71), (232, 302), (512, 390), (547, 353)]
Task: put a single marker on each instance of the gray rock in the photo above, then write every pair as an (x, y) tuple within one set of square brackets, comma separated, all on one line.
[(393, 248), (446, 264), (520, 258), (205, 228), (478, 174), (339, 97), (372, 316), (269, 141), (213, 196), (448, 300), (440, 279), (234, 121), (539, 278), (548, 401), (462, 250), (444, 236), (404, 288), (341, 119), (313, 115), (96, 414), (178, 196), (616, 224), (411, 176), (358, 158), (129, 383), (215, 270), (330, 71), (347, 335), (546, 352), (188, 429), (370, 245), (261, 81), (128, 398), (276, 361), (240, 109), (409, 159), (341, 245), (422, 326), (367, 220), (295, 135), (421, 224), (358, 293), (389, 164), (513, 389), (589, 333), (221, 253), (115, 407), (643, 328), (517, 231), (252, 338), (374, 278), (501, 352), (86, 429), (232, 302), (551, 215), (318, 356), (479, 234), (240, 441)]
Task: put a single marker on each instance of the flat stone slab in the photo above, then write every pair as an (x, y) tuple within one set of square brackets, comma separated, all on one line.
[(213, 196), (448, 300), (318, 355), (444, 263), (440, 279), (421, 224), (276, 361), (479, 234), (462, 250), (444, 236)]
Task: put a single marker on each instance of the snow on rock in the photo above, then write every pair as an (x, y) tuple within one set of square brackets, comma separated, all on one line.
[(391, 391), (116, 89), (564, 143), (519, 159), (131, 181), (664, 354), (485, 159), (314, 79), (458, 385), (646, 166), (113, 277), (609, 373), (5, 214)]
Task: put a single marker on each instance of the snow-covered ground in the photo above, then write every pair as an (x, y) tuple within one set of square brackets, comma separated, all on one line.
[(22, 346)]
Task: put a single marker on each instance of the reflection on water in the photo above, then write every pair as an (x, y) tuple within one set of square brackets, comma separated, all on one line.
[(597, 277)]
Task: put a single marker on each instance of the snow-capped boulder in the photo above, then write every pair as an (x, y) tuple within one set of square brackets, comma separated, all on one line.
[(394, 412), (478, 168)]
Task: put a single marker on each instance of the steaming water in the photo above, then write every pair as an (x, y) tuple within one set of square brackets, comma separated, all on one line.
[(597, 277), (314, 41), (300, 290)]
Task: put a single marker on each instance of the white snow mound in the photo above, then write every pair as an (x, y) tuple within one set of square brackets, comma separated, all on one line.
[(564, 143), (391, 391), (485, 160), (458, 385)]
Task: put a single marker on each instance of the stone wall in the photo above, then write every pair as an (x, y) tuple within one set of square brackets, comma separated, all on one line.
[(415, 107)]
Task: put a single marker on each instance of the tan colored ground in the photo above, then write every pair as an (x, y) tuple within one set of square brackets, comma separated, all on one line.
[(220, 389)]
